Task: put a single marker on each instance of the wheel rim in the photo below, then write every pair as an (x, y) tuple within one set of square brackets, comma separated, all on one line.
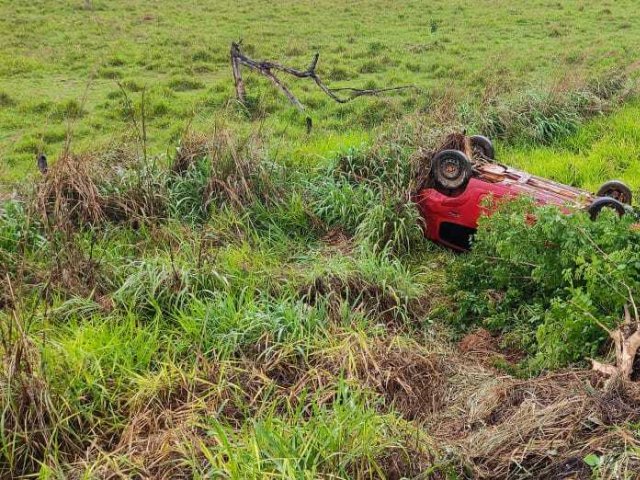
[(617, 194), (605, 202), (451, 169)]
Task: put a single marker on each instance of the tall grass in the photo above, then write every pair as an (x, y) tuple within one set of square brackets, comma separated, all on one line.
[(544, 117), (345, 440)]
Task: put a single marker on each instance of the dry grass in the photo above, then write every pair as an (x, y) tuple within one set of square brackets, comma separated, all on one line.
[(31, 412), (193, 147), (239, 175), (68, 196), (410, 378), (542, 427)]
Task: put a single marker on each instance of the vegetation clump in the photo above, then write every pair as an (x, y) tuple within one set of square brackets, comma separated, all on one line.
[(544, 117), (550, 282), (160, 326)]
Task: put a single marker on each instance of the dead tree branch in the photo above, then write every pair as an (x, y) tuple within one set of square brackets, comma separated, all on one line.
[(267, 68), (626, 340)]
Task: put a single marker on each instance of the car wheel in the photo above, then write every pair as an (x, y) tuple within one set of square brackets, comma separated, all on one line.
[(451, 169), (605, 202), (617, 190), (483, 146)]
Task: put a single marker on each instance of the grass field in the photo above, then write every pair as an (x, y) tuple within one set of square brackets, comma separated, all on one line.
[(201, 289), (62, 63)]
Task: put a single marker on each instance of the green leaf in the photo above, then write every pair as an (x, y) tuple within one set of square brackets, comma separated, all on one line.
[(592, 460)]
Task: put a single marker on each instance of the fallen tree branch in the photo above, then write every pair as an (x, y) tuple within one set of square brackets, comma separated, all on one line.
[(626, 340), (267, 68)]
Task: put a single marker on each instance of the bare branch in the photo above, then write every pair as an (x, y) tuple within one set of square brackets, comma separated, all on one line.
[(267, 68), (276, 81)]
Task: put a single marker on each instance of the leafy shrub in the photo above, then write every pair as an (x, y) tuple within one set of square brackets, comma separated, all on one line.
[(16, 227), (552, 279)]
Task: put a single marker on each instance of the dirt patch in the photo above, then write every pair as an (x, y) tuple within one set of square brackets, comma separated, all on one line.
[(337, 241), (572, 468)]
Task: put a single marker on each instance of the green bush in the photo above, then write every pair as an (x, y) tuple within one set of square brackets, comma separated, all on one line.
[(550, 279)]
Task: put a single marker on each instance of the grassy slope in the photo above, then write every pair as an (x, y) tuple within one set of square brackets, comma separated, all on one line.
[(606, 148), (174, 350), (67, 63)]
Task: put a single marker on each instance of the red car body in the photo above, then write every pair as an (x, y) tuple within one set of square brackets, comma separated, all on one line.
[(451, 219)]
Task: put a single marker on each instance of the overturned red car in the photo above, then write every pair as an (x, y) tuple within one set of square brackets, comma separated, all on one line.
[(451, 199)]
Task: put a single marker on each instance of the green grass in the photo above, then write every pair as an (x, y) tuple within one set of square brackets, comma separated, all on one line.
[(237, 298), (604, 149), (178, 54)]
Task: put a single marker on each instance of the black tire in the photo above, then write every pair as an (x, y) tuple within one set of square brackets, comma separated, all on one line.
[(483, 146), (617, 190), (451, 169), (605, 202)]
